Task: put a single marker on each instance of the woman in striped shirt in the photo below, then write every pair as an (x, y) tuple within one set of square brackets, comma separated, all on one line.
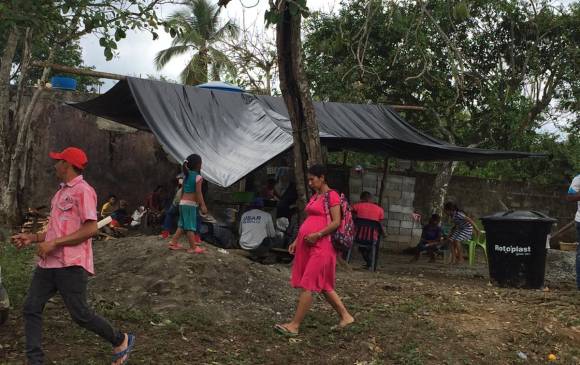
[(461, 231)]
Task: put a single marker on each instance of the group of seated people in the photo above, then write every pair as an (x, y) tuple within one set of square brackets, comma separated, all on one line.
[(258, 234), (121, 219), (117, 210)]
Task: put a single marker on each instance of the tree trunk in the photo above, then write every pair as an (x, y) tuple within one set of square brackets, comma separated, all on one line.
[(5, 68), (441, 185), (383, 189), (295, 91), (10, 204), (6, 59)]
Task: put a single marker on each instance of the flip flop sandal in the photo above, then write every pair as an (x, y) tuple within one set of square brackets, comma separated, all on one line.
[(127, 351), (197, 250), (175, 246), (284, 331), (338, 327)]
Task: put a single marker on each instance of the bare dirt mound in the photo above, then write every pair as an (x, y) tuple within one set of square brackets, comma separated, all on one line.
[(142, 272)]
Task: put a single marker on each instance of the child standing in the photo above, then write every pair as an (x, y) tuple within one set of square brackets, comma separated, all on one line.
[(461, 231), (191, 200)]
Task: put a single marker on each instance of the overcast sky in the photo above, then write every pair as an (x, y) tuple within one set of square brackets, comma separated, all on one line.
[(137, 51)]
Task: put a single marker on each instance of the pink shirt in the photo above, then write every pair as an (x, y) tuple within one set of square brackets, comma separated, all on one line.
[(370, 211), (74, 204)]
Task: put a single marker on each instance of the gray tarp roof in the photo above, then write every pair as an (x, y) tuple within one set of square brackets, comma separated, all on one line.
[(235, 133)]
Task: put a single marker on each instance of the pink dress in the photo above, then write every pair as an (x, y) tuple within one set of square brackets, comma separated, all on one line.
[(314, 266)]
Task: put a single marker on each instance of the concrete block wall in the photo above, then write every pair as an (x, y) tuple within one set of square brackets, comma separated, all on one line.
[(399, 196)]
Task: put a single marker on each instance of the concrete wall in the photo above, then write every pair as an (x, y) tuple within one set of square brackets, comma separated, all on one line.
[(122, 161), (408, 193)]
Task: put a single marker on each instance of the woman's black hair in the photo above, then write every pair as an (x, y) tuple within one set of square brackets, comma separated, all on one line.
[(318, 171), (193, 163)]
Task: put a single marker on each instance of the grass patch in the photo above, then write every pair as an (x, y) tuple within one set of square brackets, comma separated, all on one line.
[(17, 267), (410, 355)]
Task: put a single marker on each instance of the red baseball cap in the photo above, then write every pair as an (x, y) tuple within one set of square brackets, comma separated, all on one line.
[(74, 156)]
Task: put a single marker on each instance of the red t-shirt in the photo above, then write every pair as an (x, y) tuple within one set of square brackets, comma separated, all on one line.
[(370, 211)]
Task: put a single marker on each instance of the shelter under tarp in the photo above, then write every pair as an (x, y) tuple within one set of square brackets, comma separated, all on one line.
[(237, 132)]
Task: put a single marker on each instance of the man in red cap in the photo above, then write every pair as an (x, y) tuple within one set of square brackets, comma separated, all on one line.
[(66, 258)]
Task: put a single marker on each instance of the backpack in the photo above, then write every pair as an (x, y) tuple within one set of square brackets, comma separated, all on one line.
[(343, 237)]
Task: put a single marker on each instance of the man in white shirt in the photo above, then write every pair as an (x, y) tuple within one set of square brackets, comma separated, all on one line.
[(574, 196), (257, 230)]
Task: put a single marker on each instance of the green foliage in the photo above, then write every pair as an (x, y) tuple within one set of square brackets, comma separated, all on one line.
[(489, 73), (197, 29), (58, 26), (17, 266), (295, 7)]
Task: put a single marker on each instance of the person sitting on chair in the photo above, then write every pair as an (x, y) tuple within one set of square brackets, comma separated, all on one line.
[(110, 206), (430, 238), (257, 230), (366, 209)]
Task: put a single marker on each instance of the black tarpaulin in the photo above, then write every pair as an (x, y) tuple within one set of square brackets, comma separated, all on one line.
[(236, 132)]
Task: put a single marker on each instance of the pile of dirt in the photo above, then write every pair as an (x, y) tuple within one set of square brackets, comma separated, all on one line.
[(141, 272)]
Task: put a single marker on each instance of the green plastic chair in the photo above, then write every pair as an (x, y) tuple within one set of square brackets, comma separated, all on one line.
[(472, 245)]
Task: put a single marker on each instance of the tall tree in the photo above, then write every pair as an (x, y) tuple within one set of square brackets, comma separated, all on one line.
[(23, 24), (287, 16), (486, 71), (254, 55), (197, 29)]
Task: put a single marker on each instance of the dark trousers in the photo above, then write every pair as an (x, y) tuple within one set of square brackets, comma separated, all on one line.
[(578, 255), (366, 252), (71, 283), (170, 220)]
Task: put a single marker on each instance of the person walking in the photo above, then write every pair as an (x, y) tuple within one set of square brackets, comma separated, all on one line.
[(314, 266), (66, 259), (574, 196), (191, 200)]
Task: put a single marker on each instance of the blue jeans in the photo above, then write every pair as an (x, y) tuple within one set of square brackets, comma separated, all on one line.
[(578, 255)]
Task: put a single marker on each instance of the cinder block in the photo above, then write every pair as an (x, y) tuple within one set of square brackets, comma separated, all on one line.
[(408, 195), (370, 180), (406, 224), (393, 223), (394, 194), (395, 179), (407, 180), (394, 187), (406, 239), (395, 208), (406, 232), (408, 188), (407, 209), (393, 231)]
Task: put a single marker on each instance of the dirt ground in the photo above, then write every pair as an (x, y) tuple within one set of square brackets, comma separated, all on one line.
[(219, 308)]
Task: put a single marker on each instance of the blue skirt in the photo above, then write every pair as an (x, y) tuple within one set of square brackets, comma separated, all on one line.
[(187, 218)]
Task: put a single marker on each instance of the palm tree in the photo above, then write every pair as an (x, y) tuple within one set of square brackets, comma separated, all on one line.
[(198, 29)]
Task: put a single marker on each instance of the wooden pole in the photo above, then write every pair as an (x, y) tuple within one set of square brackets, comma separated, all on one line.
[(384, 181), (79, 71), (407, 107)]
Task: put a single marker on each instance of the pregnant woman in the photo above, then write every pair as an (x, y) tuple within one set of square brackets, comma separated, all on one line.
[(314, 267)]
